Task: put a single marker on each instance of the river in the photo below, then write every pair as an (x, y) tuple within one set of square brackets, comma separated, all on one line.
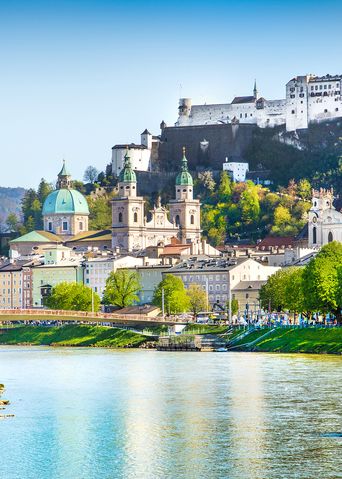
[(104, 414)]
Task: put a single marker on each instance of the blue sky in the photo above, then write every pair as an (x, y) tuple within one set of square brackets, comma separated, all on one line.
[(79, 76)]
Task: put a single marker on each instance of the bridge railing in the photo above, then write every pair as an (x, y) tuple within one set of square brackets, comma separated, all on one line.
[(97, 316)]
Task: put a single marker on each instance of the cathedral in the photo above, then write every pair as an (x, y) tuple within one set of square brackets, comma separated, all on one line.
[(131, 231), (325, 222)]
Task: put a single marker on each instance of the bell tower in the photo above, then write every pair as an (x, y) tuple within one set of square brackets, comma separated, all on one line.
[(185, 211), (64, 179), (128, 221)]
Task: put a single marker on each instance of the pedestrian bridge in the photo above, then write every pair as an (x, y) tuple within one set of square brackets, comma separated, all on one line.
[(61, 316)]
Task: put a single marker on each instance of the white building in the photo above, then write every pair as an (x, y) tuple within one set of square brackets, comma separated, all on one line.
[(325, 222), (216, 276), (308, 99), (140, 155), (312, 99), (237, 170), (97, 270)]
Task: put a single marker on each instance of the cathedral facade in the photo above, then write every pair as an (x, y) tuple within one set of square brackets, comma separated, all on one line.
[(131, 231)]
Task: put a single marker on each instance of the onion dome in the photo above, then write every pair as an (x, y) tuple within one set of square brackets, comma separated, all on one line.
[(127, 174), (184, 178)]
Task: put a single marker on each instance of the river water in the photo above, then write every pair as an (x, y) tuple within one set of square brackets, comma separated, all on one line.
[(96, 413)]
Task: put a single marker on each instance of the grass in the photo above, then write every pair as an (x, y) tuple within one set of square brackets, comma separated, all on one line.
[(306, 340), (206, 329), (297, 340), (72, 335)]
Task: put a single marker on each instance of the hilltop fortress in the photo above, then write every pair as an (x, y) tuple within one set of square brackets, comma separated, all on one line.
[(309, 99)]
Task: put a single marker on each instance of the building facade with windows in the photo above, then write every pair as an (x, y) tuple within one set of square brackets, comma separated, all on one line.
[(217, 276)]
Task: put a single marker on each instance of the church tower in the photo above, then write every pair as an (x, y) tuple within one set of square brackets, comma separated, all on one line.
[(324, 223), (128, 221), (185, 211)]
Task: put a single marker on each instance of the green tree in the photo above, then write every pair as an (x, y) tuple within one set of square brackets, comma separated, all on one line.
[(100, 217), (206, 181), (72, 296), (225, 187), (176, 299), (12, 222), (44, 189), (304, 189), (321, 280), (234, 306), (249, 204), (121, 289), (273, 292), (198, 299), (91, 174)]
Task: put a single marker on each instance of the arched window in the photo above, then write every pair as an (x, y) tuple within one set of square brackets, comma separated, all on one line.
[(192, 219), (120, 217), (330, 237), (177, 220), (135, 217), (314, 235)]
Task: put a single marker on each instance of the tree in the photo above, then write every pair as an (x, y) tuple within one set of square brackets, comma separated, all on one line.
[(234, 306), (12, 222), (72, 296), (249, 204), (198, 299), (100, 217), (206, 180), (44, 189), (321, 280), (176, 299), (273, 293), (91, 174), (225, 187), (304, 189), (121, 289)]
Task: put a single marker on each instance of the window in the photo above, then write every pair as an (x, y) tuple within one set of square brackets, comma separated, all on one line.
[(120, 217), (80, 225), (293, 112), (50, 226), (177, 220), (314, 235), (135, 217), (65, 226), (330, 237), (192, 219)]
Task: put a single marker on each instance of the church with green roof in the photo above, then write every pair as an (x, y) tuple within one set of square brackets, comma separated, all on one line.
[(65, 210), (131, 231)]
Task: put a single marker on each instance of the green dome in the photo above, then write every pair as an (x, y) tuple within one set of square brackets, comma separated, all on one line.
[(65, 201), (127, 175), (184, 178)]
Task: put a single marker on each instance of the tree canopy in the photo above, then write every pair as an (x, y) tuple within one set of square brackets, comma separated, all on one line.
[(198, 299), (72, 296), (176, 299), (122, 287)]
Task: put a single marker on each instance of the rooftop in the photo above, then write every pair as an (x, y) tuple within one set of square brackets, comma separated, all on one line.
[(243, 99), (196, 265)]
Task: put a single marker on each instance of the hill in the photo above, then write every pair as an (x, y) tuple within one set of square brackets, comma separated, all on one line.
[(10, 199)]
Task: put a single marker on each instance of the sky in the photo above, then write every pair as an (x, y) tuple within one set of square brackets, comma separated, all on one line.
[(77, 77)]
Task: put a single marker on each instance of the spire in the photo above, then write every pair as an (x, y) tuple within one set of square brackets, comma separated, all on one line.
[(127, 174), (64, 178), (255, 90), (184, 178)]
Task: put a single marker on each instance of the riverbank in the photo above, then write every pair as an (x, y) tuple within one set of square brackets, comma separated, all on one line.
[(72, 335), (293, 340)]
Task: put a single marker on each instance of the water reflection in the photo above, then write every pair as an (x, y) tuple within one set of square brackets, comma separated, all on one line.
[(89, 414)]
